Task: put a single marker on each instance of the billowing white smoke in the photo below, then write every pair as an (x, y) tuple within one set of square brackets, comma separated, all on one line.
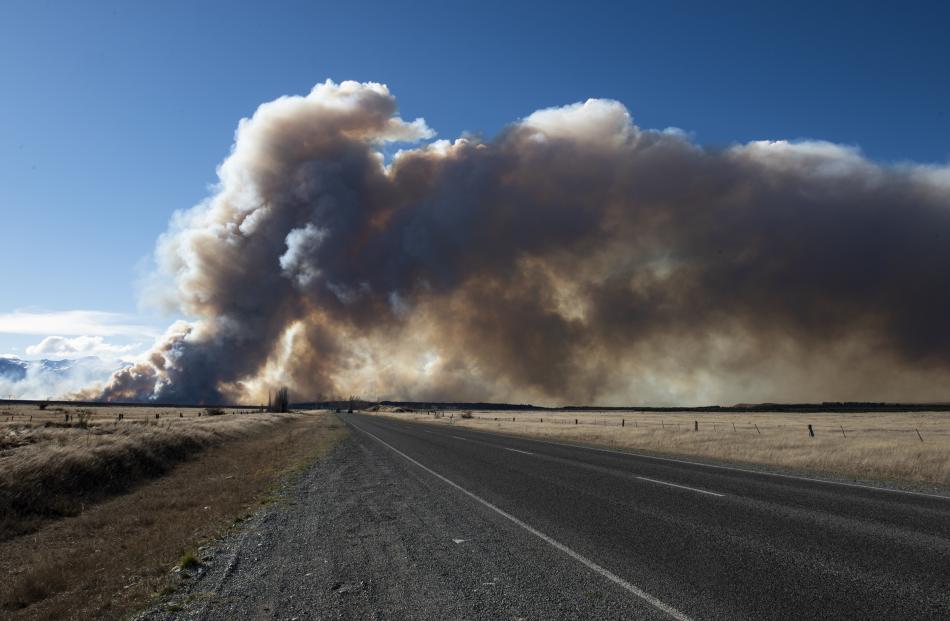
[(573, 258)]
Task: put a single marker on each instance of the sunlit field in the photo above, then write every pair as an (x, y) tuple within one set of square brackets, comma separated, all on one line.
[(909, 447), (96, 509), (57, 460)]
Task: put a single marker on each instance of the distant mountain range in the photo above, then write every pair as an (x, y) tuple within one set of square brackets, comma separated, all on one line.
[(16, 369), (41, 379), (13, 369)]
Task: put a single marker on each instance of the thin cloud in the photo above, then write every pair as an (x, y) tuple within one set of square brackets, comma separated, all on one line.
[(73, 323), (85, 345)]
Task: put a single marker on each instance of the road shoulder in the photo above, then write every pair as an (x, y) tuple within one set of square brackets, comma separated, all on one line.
[(113, 557)]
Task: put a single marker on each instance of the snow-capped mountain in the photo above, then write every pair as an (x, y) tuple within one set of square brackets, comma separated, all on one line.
[(43, 379), (12, 369)]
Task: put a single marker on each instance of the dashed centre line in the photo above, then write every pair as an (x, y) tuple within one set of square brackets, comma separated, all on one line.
[(692, 489), (606, 573), (517, 451), (641, 478)]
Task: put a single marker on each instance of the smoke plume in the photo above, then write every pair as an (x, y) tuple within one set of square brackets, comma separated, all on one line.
[(573, 258)]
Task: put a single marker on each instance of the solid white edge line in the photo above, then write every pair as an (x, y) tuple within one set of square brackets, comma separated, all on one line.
[(692, 489), (766, 473), (606, 573)]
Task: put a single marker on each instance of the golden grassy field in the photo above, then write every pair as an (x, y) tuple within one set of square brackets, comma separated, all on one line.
[(882, 446), (53, 462), (96, 513)]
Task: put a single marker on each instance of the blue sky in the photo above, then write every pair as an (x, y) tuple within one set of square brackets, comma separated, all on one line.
[(115, 114)]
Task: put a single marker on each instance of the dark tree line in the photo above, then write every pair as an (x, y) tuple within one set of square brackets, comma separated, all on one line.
[(280, 402)]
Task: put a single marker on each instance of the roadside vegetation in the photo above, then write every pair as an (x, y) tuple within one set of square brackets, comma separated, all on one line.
[(56, 461), (94, 517), (902, 447)]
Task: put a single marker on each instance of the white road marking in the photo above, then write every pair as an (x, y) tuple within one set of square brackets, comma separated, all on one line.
[(717, 466), (746, 470), (692, 489), (517, 451), (606, 573)]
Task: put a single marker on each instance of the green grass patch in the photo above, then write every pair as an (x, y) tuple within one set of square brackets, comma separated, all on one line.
[(189, 560)]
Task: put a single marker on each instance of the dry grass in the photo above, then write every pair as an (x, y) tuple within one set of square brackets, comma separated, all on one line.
[(112, 557), (870, 446), (55, 462)]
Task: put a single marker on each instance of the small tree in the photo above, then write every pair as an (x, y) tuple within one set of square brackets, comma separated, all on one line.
[(83, 417)]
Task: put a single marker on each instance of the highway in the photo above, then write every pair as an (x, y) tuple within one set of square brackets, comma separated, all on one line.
[(666, 538)]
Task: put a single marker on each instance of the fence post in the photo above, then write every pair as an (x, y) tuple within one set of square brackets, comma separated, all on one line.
[(575, 421), (918, 434), (695, 425), (756, 428), (811, 432), (621, 422), (733, 426), (842, 431)]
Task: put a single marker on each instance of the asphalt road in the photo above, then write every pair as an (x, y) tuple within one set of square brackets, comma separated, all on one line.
[(669, 538), (424, 522)]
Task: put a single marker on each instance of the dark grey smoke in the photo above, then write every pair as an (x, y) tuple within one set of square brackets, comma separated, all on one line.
[(574, 258)]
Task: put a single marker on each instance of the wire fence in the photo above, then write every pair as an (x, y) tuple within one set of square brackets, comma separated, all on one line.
[(845, 428)]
